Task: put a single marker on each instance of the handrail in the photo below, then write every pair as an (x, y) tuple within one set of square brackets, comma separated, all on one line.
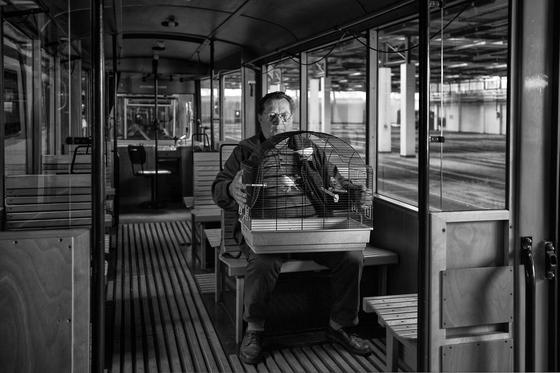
[(528, 262), (205, 140), (74, 158)]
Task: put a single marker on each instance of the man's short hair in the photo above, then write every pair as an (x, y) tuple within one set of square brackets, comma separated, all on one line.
[(275, 96)]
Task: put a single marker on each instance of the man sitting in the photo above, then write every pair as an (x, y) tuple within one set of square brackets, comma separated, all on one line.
[(275, 112)]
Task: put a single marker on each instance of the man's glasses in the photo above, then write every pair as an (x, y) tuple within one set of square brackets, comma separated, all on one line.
[(284, 117)]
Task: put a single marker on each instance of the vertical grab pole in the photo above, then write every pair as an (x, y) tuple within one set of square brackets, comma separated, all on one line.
[(156, 130), (98, 189), (526, 254), (424, 269)]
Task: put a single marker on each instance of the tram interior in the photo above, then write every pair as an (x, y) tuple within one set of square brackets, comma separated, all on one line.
[(184, 78)]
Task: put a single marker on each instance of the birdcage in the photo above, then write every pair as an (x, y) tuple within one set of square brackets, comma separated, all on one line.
[(306, 193)]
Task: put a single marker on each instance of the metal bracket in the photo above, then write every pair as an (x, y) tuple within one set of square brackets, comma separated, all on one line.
[(550, 261)]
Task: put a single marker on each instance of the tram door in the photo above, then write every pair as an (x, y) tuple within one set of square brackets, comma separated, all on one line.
[(472, 325)]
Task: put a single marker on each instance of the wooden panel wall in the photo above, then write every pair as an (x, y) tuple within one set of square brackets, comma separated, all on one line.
[(488, 356), (44, 301), (471, 306)]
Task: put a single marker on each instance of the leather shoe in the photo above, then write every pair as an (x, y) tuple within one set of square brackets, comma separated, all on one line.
[(251, 349), (352, 342)]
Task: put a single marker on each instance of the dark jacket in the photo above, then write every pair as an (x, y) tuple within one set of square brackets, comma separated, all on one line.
[(220, 186)]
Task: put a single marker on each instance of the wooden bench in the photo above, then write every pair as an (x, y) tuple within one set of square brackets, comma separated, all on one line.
[(398, 314), (49, 201), (235, 267)]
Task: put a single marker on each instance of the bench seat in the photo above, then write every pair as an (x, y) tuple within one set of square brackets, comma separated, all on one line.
[(49, 201), (235, 267), (398, 314)]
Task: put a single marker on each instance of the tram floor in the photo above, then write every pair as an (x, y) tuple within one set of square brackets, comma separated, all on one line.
[(298, 312), (158, 306)]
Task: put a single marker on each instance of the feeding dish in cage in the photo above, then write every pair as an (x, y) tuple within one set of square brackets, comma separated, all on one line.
[(304, 194)]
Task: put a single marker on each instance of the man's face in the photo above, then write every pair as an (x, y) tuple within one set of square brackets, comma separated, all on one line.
[(276, 118)]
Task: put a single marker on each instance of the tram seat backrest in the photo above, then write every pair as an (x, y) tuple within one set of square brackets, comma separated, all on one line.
[(137, 156), (205, 168), (48, 201), (201, 142), (66, 164)]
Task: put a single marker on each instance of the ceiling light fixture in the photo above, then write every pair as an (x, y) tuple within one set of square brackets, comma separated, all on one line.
[(170, 22)]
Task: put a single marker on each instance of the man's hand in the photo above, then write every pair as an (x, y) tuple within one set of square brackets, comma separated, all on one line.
[(237, 190)]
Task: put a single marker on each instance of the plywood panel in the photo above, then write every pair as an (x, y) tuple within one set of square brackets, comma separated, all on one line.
[(475, 244), (476, 296), (40, 317), (489, 356)]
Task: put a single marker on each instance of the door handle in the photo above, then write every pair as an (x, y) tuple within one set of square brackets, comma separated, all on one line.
[(526, 256)]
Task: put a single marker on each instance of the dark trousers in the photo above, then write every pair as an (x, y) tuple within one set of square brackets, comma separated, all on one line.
[(346, 271)]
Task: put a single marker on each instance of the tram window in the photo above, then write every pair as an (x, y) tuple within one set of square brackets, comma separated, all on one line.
[(284, 76), (232, 125), (472, 158), (468, 99), (337, 91), (17, 89), (12, 105), (393, 149), (139, 117), (206, 113)]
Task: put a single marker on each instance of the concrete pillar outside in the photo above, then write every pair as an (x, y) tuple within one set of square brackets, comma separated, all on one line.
[(408, 125), (383, 107), (314, 104), (327, 104)]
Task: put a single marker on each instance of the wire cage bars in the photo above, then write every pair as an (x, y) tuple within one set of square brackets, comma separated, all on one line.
[(306, 191)]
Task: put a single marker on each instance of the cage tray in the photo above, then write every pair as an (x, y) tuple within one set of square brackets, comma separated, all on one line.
[(305, 235)]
